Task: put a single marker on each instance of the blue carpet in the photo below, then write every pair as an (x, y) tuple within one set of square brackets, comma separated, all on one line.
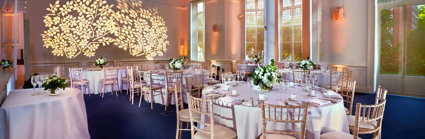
[(115, 117)]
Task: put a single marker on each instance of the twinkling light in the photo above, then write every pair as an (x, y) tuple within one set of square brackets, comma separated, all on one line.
[(78, 26), (142, 31)]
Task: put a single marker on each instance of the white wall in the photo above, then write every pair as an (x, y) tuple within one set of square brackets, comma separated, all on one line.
[(345, 42), (174, 18)]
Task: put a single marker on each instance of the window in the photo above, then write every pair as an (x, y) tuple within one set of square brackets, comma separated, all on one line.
[(197, 35), (254, 27), (291, 29)]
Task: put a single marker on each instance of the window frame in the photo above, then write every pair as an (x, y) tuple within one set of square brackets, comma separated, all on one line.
[(193, 36)]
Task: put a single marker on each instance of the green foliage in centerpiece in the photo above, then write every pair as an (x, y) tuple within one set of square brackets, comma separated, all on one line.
[(100, 62), (6, 63), (265, 77), (307, 64), (54, 82), (177, 64)]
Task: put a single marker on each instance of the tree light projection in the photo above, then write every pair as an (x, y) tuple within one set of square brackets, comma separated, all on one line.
[(142, 32), (78, 26), (81, 26)]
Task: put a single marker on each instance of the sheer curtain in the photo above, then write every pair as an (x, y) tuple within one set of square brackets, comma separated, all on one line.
[(316, 29)]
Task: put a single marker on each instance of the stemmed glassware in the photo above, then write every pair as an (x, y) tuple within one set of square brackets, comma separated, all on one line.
[(238, 75), (34, 82), (243, 75)]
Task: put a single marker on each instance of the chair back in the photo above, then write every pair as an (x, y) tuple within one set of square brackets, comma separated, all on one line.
[(178, 97), (369, 113), (203, 107), (347, 90), (75, 74), (194, 85), (381, 94), (335, 77), (173, 77), (110, 73), (130, 76), (223, 117), (291, 115), (299, 75), (146, 77)]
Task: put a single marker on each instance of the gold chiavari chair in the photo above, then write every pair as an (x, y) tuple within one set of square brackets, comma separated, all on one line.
[(110, 76), (182, 114), (150, 87), (299, 75), (368, 119), (381, 94), (347, 90), (135, 84), (211, 130), (335, 78), (75, 74), (171, 79), (194, 85), (291, 115)]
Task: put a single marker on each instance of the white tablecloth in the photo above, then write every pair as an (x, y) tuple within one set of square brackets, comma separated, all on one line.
[(46, 117), (323, 77), (94, 77), (327, 117)]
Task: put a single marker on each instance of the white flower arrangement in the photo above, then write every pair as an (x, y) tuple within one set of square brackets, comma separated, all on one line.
[(6, 64), (100, 62), (53, 83), (177, 64), (307, 64), (266, 77)]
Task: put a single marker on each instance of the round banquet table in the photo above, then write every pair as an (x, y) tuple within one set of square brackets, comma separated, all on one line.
[(323, 77), (46, 117), (323, 117), (95, 75)]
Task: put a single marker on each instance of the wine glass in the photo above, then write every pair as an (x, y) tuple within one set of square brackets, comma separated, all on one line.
[(238, 75), (243, 75), (34, 82)]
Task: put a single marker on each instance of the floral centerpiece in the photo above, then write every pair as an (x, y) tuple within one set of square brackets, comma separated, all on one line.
[(6, 64), (100, 62), (307, 64), (256, 58), (177, 64), (53, 83), (265, 77)]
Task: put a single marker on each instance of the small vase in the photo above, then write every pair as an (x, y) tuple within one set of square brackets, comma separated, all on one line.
[(53, 92)]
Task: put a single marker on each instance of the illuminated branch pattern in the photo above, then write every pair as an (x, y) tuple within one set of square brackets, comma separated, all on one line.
[(81, 26), (78, 26), (142, 32)]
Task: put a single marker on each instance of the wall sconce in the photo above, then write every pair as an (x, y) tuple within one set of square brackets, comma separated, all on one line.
[(337, 13), (215, 28)]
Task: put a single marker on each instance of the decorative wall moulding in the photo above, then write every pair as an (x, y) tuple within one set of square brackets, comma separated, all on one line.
[(82, 26)]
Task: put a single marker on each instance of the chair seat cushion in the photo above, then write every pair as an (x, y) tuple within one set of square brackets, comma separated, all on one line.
[(220, 132), (277, 136), (154, 87), (184, 114), (336, 135), (108, 81), (80, 82), (366, 125)]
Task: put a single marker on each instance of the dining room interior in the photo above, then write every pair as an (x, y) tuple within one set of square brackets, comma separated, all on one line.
[(212, 69)]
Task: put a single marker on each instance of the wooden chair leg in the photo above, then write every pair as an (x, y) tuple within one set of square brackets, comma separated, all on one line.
[(151, 100), (167, 101), (140, 101), (178, 129)]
